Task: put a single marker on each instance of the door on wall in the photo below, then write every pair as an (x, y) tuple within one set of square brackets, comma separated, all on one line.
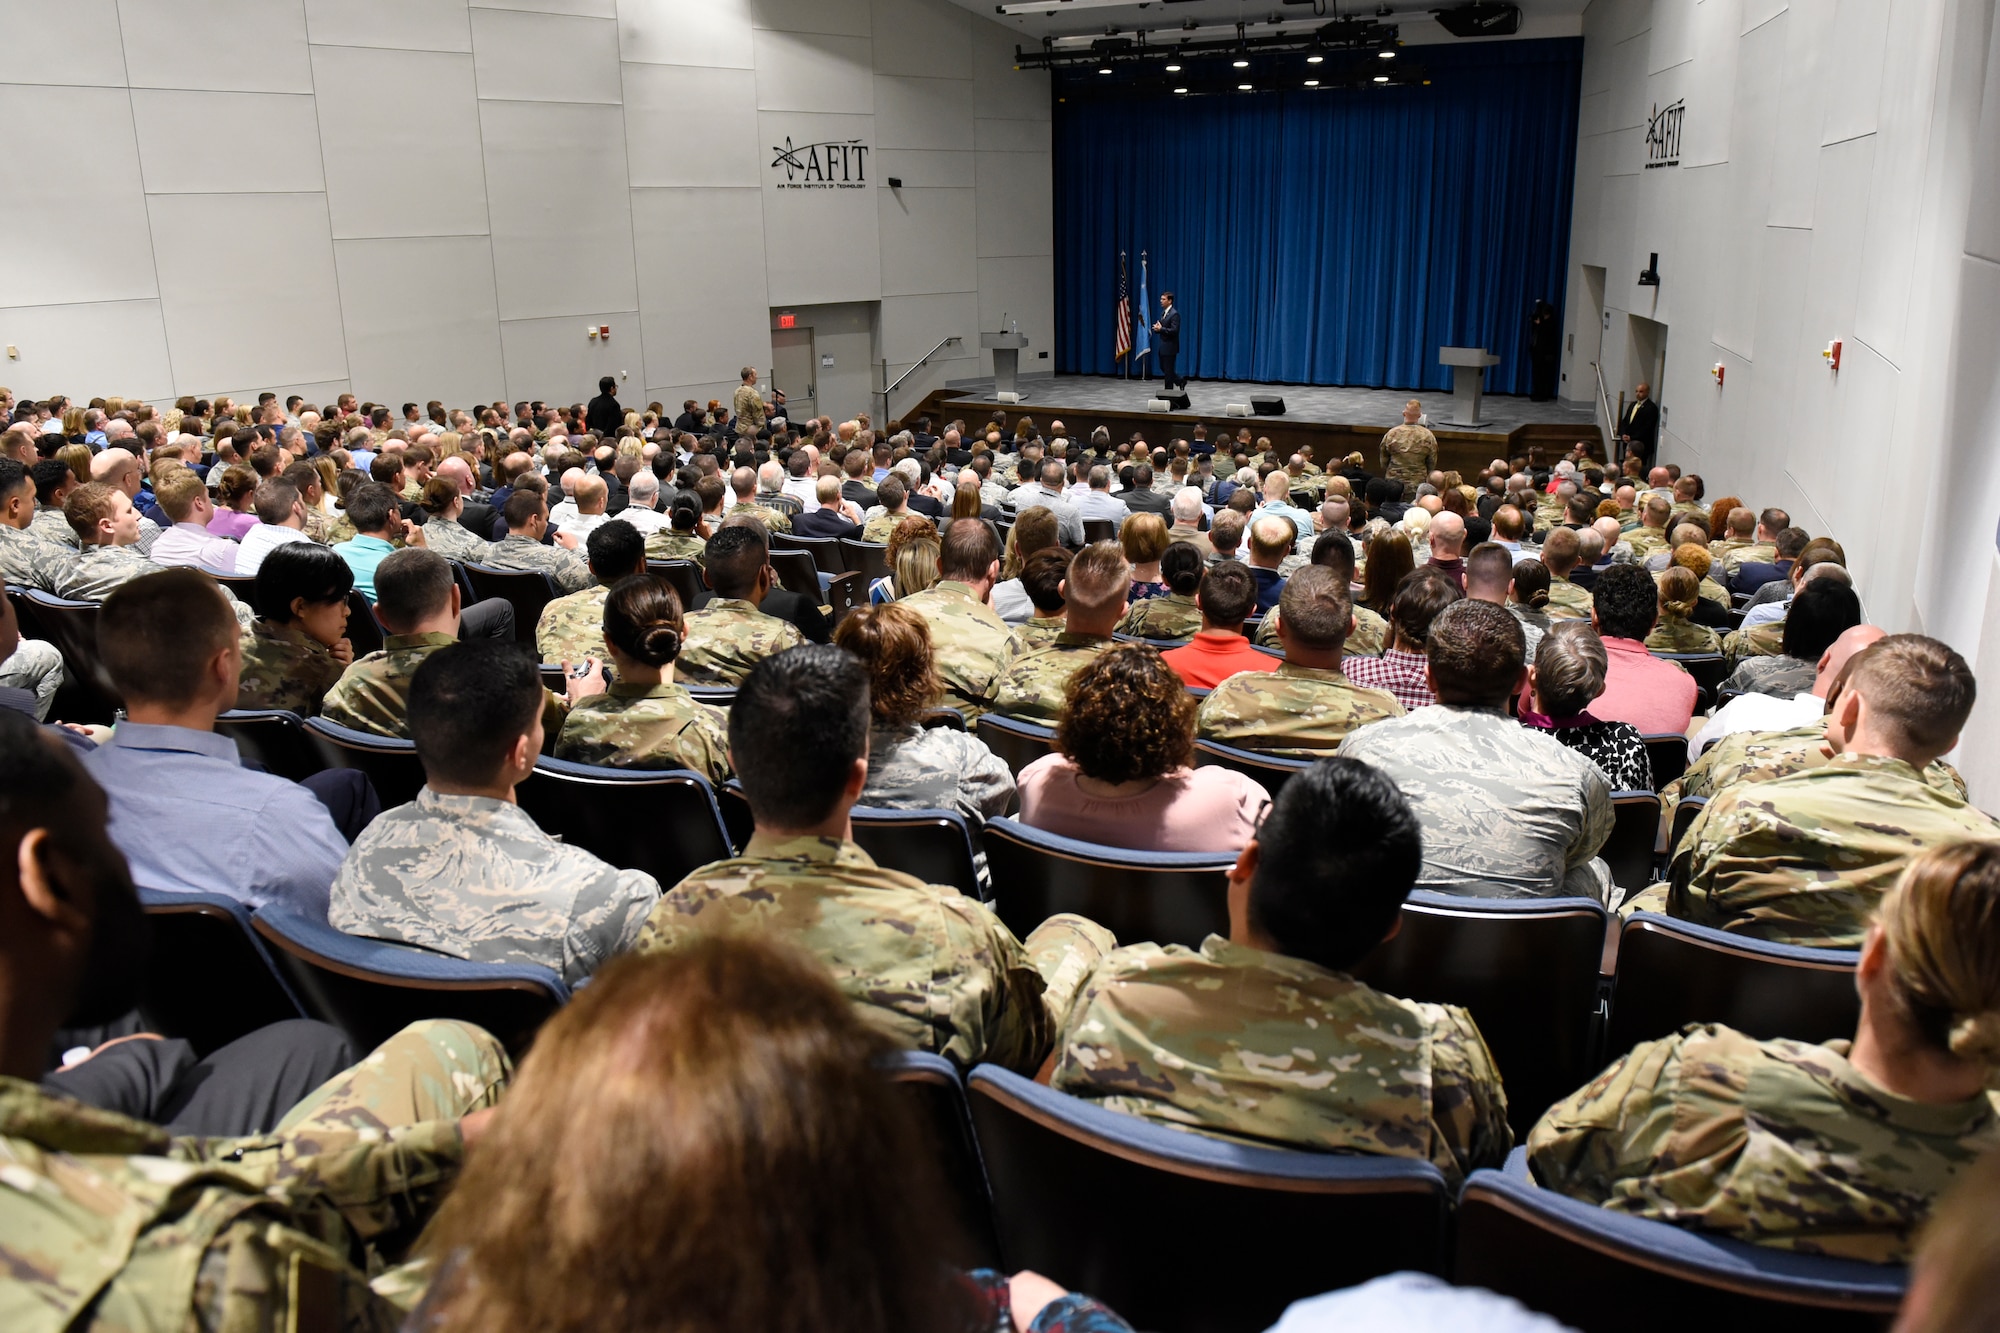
[(1646, 359), (793, 368), (1587, 340)]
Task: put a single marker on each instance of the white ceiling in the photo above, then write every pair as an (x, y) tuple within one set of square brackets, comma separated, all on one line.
[(1540, 18)]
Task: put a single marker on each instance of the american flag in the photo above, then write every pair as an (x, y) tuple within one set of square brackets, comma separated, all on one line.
[(1123, 346)]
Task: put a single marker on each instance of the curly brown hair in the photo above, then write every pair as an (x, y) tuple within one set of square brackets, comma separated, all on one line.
[(1127, 716), (908, 531), (893, 644)]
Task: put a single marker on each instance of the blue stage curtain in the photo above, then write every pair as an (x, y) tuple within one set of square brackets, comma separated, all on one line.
[(1327, 236)]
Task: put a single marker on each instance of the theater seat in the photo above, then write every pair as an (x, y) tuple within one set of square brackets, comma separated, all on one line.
[(1708, 669), (936, 1093), (1671, 973), (273, 738), (211, 980), (935, 846), (868, 559), (526, 590), (72, 628), (1017, 743), (372, 989), (1599, 1270), (1684, 817), (685, 575), (1668, 756), (1183, 1232), (1270, 771), (1165, 897), (391, 764), (825, 551), (1099, 530), (364, 631), (242, 586), (1635, 826), (1164, 645), (796, 571), (662, 821)]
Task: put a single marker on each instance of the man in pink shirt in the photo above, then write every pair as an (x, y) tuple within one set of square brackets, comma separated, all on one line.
[(1219, 651), (183, 497), (1653, 695)]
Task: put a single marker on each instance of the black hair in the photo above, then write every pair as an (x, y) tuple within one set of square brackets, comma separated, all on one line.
[(49, 474), (1181, 567), (299, 569), (469, 703), (615, 549), (1334, 550), (13, 475), (1627, 601), (642, 619), (685, 512), (1821, 612), (799, 722), (369, 506), (733, 557)]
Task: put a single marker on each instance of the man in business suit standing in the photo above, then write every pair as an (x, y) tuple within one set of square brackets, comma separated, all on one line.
[(1167, 339), (1639, 427)]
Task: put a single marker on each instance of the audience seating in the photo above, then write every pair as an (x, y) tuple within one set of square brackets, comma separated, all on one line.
[(718, 696), (1099, 530), (935, 846), (936, 1093), (868, 559), (662, 821), (1672, 973), (210, 979), (1270, 771), (1017, 743), (796, 571), (1187, 1233), (242, 586), (685, 575), (1605, 1272), (1668, 755), (1166, 897), (391, 764), (364, 631), (846, 593), (372, 989), (72, 628), (1684, 817), (1163, 645), (1635, 826), (274, 739), (948, 718), (1528, 970), (526, 590), (1709, 671), (825, 551)]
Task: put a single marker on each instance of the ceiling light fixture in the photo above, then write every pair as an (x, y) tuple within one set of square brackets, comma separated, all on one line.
[(1385, 55), (1240, 64), (1312, 83), (1104, 69), (1381, 78), (1173, 69), (1314, 60), (1242, 87), (1180, 90)]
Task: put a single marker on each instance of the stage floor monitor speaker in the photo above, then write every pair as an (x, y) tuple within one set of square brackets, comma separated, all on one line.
[(1177, 402), (1268, 407)]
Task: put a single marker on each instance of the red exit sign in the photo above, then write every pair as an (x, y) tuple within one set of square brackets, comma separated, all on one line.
[(788, 321)]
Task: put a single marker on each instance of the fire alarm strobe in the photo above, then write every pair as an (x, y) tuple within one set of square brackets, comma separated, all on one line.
[(1832, 354)]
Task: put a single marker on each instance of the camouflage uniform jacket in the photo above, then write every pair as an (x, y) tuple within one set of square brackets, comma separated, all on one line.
[(1758, 553), (935, 768), (646, 726), (728, 637), (1409, 455), (373, 694), (1714, 591), (1742, 646), (666, 544), (970, 643), (1805, 859), (878, 528), (455, 541), (1040, 631), (477, 879), (1298, 712), (319, 527), (1721, 548), (26, 561), (1249, 1045), (572, 627), (1036, 685), (285, 668), (1567, 601), (565, 569), (1645, 541), (1370, 636), (1507, 812), (1678, 634), (772, 520), (1759, 756), (1170, 617), (1776, 1142), (927, 966), (99, 570), (52, 526)]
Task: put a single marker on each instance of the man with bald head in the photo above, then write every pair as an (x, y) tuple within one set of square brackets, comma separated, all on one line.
[(743, 486), (584, 514), (1447, 536), (1270, 540), (120, 468), (1639, 425)]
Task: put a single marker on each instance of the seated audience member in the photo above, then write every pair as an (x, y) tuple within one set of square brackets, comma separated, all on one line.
[(31, 672), (1676, 632), (1308, 706), (1562, 553), (527, 517), (1508, 812), (890, 510), (1838, 1149), (1772, 598), (643, 719), (183, 495), (970, 643), (912, 553), (911, 766), (1335, 550), (1144, 546), (235, 489), (685, 537), (54, 480), (281, 521), (1656, 696), (1771, 712), (107, 527), (832, 518), (298, 646), (1171, 614), (1225, 537), (1034, 530), (1217, 1039), (1034, 685), (1528, 599), (738, 1110), (1271, 539), (1804, 859), (1489, 577), (1123, 773), (120, 469), (1042, 576), (586, 512), (1567, 675), (1955, 1278), (185, 811), (927, 966), (462, 870), (1403, 670), (1824, 609), (26, 560), (571, 628), (1225, 597), (1754, 577), (732, 633), (444, 506), (379, 531)]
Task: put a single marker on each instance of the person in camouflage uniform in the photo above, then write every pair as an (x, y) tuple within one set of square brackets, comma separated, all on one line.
[(1034, 685), (1174, 616), (680, 541), (890, 498), (26, 561), (1305, 708), (463, 870), (1680, 591), (527, 514), (297, 648), (1409, 451), (108, 526), (1838, 1149), (1263, 1037), (743, 483), (1821, 612), (970, 643), (1561, 554), (571, 628), (731, 635)]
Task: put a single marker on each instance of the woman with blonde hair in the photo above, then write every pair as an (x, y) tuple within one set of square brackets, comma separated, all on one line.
[(1713, 610), (77, 458), (1680, 598), (1837, 1149), (912, 554), (1036, 528)]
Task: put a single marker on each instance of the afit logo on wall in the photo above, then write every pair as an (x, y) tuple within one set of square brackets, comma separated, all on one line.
[(836, 164), (1663, 135)]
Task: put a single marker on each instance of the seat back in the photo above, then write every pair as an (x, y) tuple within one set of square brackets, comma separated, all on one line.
[(242, 586), (1635, 825), (825, 551), (72, 628), (868, 559), (1708, 669), (1668, 755), (364, 631), (1163, 645), (1672, 973), (664, 822), (210, 979), (1099, 530), (935, 1093), (1185, 1233), (526, 590), (373, 989), (1269, 771), (1684, 817), (684, 575), (1526, 968), (936, 846), (1165, 897), (846, 593), (948, 718), (274, 739), (1017, 743), (391, 764), (797, 572)]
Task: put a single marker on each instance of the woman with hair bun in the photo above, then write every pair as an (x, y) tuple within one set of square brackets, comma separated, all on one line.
[(1680, 597), (1837, 1149), (643, 719), (685, 537), (443, 532)]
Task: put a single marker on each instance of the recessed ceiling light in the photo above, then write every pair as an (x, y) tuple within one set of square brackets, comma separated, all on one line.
[(1240, 64), (1314, 60), (1242, 87), (1173, 69), (1381, 78), (1180, 90), (1385, 55), (1312, 83)]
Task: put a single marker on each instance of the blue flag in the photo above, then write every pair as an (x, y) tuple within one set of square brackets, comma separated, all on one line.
[(1142, 327)]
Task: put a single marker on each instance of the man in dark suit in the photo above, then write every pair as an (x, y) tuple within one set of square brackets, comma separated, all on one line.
[(1143, 499), (1639, 426), (1167, 340), (604, 415)]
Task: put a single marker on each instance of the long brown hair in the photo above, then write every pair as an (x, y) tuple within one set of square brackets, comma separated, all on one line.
[(698, 1142), (894, 644), (1389, 562)]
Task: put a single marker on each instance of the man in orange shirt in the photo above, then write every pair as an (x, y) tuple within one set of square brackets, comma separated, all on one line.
[(1219, 651)]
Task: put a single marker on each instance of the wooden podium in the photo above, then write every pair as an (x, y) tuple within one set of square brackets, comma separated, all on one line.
[(1468, 382)]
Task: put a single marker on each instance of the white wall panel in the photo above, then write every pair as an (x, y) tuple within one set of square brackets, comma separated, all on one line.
[(924, 168), (401, 349), (527, 57), (1010, 136), (248, 46), (75, 41), (1020, 289), (1896, 197), (88, 348), (1829, 300), (922, 37), (1855, 39), (1710, 83), (923, 113), (53, 254), (560, 208), (1798, 115), (247, 285), (928, 241), (685, 32), (597, 9), (686, 126), (400, 134), (551, 358), (1670, 39), (812, 72), (998, 89), (912, 325), (409, 25), (821, 244), (1629, 94), (1016, 214), (844, 18), (701, 283), (225, 143)]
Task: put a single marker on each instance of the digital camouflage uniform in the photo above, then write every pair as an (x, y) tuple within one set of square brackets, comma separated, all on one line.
[(94, 573), (373, 694), (109, 1223), (666, 544), (1776, 1142), (285, 668), (1256, 1046), (1805, 859), (970, 644), (1173, 616), (728, 637), (935, 768), (1035, 685), (1678, 634), (1765, 640), (455, 541), (36, 667), (572, 627), (53, 527), (26, 561), (646, 726), (477, 879), (879, 528), (566, 570), (1409, 455), (925, 965), (1369, 637), (1507, 812), (1040, 631), (1297, 712), (772, 520), (1567, 601)]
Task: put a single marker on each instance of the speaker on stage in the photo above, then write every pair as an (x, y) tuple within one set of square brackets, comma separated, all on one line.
[(1268, 407), (1177, 402)]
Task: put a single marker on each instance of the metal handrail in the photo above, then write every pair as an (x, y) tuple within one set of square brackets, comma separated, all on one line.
[(1610, 422), (921, 362)]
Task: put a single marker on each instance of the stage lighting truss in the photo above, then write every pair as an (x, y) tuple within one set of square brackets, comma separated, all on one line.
[(1351, 52)]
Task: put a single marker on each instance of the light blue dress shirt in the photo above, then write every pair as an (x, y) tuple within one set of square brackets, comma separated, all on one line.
[(362, 555)]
